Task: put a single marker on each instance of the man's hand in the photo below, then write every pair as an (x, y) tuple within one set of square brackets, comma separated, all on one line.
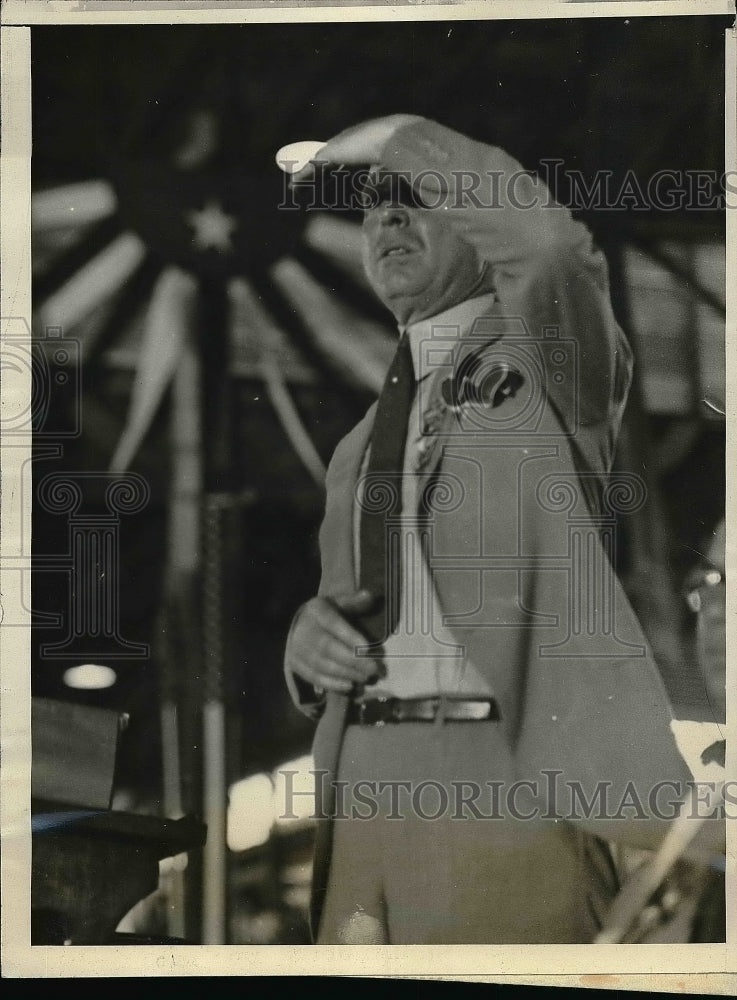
[(322, 643), (359, 144)]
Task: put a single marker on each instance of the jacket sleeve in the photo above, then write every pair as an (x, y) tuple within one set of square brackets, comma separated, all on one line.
[(545, 267), (336, 541)]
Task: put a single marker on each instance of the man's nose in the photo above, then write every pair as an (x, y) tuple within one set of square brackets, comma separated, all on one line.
[(384, 217)]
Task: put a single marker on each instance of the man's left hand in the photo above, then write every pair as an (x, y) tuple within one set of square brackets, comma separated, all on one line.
[(359, 144)]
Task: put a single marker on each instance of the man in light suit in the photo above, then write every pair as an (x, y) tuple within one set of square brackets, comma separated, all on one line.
[(477, 752)]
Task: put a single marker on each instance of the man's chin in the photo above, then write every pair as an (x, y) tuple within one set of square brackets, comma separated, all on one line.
[(399, 282), (404, 304)]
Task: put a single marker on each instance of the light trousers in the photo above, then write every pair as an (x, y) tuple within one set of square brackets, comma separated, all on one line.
[(426, 851)]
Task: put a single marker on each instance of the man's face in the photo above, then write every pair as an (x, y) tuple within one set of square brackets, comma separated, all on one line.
[(415, 261)]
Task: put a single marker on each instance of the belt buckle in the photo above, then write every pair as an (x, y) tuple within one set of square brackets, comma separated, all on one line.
[(396, 711), (364, 712)]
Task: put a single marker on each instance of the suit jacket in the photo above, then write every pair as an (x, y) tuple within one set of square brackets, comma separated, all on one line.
[(522, 516)]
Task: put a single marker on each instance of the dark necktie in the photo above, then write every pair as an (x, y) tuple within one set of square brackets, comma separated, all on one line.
[(380, 568)]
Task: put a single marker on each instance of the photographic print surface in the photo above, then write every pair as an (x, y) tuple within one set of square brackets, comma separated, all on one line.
[(543, 676)]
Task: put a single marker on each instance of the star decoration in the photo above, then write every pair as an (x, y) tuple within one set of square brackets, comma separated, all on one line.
[(212, 228)]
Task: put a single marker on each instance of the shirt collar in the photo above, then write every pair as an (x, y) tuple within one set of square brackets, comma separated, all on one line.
[(461, 316)]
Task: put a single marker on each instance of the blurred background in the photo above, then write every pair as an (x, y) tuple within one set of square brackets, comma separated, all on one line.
[(214, 349)]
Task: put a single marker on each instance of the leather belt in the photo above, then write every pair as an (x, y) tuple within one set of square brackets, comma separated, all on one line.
[(379, 711)]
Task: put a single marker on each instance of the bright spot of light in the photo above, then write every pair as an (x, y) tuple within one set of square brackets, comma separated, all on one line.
[(294, 783), (90, 677), (250, 812), (177, 863), (261, 803)]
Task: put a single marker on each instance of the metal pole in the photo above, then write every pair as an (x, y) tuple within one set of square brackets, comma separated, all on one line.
[(218, 477), (214, 895), (183, 549)]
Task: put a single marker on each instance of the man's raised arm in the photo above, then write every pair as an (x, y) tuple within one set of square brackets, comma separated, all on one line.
[(544, 264)]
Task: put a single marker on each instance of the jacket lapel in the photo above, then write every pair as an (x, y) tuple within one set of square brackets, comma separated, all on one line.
[(440, 421)]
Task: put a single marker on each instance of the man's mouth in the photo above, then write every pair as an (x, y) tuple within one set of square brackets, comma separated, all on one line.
[(395, 250)]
